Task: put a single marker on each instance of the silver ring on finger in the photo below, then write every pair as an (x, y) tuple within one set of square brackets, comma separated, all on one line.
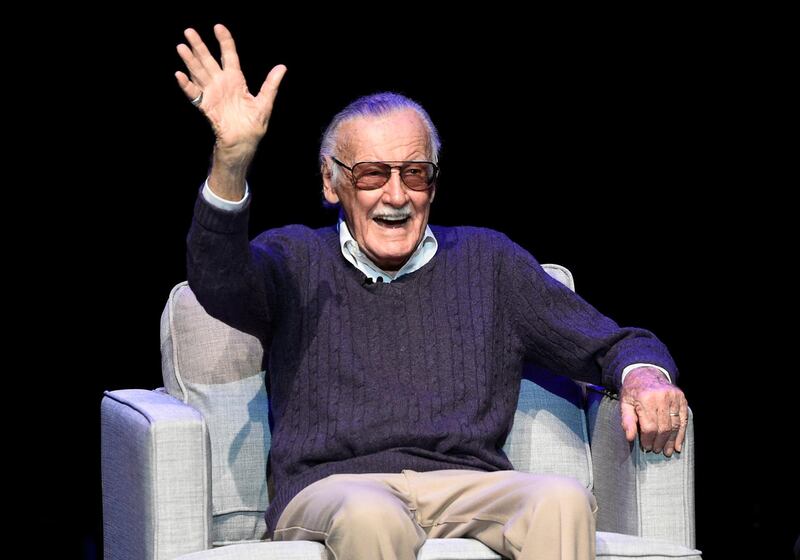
[(197, 100)]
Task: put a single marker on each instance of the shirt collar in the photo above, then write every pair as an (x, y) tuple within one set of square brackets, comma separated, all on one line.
[(420, 257)]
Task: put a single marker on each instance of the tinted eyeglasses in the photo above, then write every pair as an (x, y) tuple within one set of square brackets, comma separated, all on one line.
[(370, 175)]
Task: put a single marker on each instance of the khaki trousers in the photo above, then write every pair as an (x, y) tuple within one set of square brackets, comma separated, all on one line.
[(389, 516)]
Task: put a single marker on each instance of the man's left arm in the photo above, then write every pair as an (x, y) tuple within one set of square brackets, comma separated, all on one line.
[(565, 334), (656, 408)]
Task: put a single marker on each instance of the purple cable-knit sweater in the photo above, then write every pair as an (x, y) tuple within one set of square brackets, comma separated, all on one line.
[(421, 373)]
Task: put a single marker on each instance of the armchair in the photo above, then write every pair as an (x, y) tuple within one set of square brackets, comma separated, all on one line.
[(183, 466)]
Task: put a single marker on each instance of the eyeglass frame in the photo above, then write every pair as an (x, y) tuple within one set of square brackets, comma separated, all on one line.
[(399, 167)]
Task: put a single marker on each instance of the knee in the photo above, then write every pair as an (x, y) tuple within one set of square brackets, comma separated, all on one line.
[(364, 512), (371, 525), (564, 493), (560, 492)]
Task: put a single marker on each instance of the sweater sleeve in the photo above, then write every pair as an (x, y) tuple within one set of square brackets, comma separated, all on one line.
[(562, 332), (234, 280)]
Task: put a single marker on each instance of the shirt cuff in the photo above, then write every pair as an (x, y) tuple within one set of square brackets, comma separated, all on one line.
[(223, 204), (631, 367)]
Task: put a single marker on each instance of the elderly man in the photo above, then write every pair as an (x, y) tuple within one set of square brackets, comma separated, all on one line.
[(395, 348)]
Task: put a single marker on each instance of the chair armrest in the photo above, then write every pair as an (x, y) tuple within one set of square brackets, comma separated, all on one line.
[(638, 493), (156, 469)]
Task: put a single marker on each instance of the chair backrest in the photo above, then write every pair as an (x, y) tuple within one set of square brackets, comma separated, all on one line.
[(218, 370)]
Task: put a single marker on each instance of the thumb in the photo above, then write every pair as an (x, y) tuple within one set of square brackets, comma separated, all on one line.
[(629, 421)]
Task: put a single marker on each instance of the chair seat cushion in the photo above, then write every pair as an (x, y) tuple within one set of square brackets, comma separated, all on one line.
[(456, 549), (264, 550), (610, 546), (433, 549), (616, 546)]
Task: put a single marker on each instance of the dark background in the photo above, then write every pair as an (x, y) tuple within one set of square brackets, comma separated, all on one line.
[(649, 158)]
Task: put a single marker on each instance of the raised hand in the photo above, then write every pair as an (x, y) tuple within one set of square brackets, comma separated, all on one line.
[(239, 118)]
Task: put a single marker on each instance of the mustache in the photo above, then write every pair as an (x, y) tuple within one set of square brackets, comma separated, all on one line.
[(393, 213)]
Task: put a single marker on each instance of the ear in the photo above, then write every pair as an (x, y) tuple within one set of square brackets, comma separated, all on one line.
[(433, 193), (327, 184)]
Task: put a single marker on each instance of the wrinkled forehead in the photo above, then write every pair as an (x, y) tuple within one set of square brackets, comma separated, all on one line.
[(399, 135)]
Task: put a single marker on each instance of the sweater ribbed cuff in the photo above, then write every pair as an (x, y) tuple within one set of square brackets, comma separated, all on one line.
[(221, 221), (639, 350)]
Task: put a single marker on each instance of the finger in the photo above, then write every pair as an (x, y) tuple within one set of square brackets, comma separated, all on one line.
[(669, 447), (660, 439), (190, 89), (196, 70), (269, 89), (629, 425), (648, 428), (684, 416), (674, 426), (201, 52), (664, 427), (228, 56)]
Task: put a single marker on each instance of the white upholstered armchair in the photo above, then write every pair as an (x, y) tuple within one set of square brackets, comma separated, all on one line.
[(184, 466)]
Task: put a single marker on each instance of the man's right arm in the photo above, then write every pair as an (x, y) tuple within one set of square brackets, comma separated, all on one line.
[(232, 280)]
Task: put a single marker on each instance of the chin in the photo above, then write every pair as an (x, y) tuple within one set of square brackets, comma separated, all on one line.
[(391, 261), (392, 254)]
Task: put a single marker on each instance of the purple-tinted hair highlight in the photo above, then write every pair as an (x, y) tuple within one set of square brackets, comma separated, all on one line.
[(377, 105)]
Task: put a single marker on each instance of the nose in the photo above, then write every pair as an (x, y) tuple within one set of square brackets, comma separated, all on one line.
[(394, 191)]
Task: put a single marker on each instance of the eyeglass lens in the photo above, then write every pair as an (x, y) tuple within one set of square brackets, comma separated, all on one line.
[(373, 175)]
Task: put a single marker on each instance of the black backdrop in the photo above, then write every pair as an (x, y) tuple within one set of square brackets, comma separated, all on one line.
[(645, 158)]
